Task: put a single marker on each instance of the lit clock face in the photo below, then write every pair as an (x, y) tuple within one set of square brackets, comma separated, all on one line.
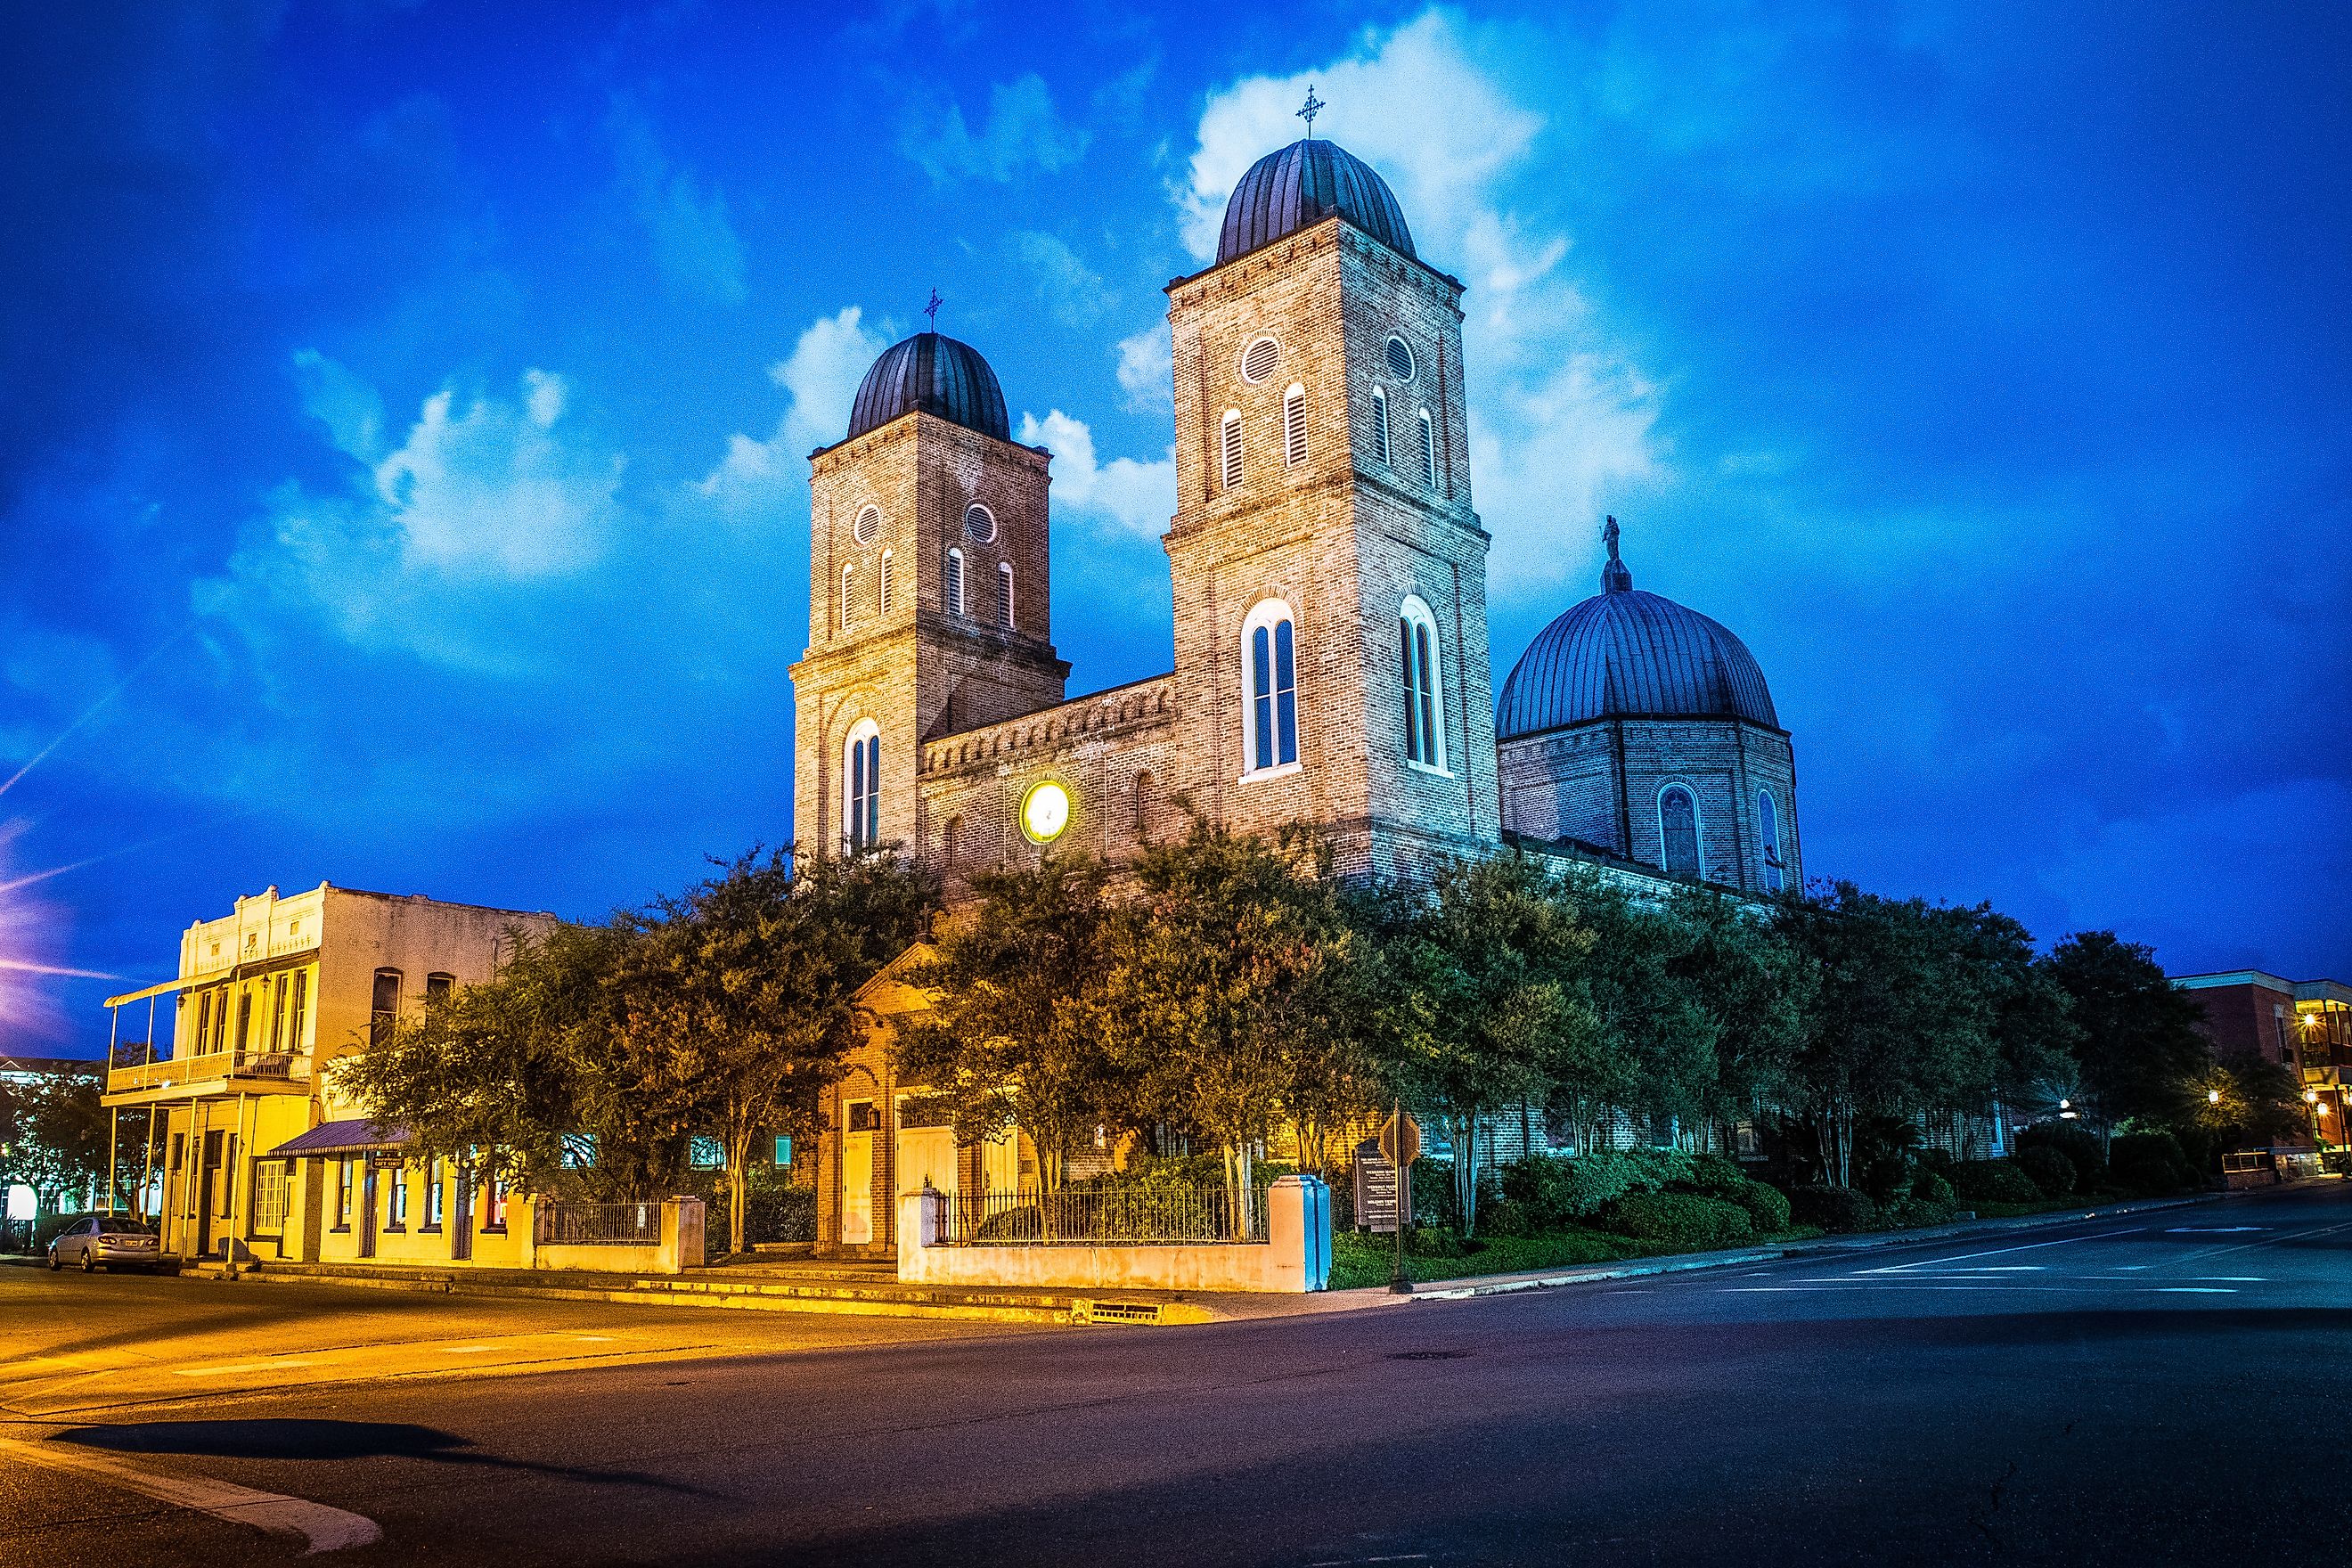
[(1044, 812)]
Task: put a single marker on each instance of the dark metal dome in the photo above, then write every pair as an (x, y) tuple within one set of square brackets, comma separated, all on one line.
[(937, 375), (1300, 186), (1624, 654)]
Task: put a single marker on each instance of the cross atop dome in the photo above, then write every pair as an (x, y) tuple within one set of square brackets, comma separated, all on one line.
[(1314, 106)]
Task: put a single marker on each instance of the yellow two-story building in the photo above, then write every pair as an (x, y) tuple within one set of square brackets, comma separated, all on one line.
[(256, 1155)]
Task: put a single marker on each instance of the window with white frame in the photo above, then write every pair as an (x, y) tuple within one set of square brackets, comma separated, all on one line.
[(1679, 840), (849, 597), (1270, 681), (1005, 593), (955, 581), (1294, 425), (1420, 660), (1381, 427), (868, 526), (1428, 451), (1768, 831), (882, 585), (861, 805), (1229, 437), (979, 524)]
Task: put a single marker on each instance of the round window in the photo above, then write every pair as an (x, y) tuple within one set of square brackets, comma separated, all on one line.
[(979, 524), (1259, 360), (1044, 812), (867, 526), (1400, 359)]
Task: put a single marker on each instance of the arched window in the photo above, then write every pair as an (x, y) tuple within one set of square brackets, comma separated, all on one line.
[(1005, 593), (861, 805), (1419, 662), (955, 581), (1768, 831), (848, 596), (1294, 425), (1428, 451), (882, 585), (1678, 831), (1270, 679), (1381, 427), (1143, 807), (947, 837), (1231, 438)]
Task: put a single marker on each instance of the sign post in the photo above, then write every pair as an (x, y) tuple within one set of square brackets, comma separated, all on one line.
[(1401, 1146)]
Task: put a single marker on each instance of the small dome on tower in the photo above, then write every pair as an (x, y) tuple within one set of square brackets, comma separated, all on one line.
[(1625, 654), (937, 375), (1300, 186)]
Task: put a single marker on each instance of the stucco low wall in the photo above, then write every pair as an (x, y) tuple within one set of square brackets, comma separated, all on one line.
[(1295, 1259)]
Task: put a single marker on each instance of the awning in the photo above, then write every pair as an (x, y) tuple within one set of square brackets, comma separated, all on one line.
[(353, 1137)]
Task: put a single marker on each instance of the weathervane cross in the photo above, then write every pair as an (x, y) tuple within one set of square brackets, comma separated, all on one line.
[(932, 310), (1314, 106)]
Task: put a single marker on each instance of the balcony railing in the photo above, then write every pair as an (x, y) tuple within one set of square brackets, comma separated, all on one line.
[(269, 1066)]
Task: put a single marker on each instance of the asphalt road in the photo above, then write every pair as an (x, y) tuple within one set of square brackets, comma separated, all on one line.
[(2159, 1388)]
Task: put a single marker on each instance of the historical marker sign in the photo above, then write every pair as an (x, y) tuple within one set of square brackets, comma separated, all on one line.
[(1376, 1189)]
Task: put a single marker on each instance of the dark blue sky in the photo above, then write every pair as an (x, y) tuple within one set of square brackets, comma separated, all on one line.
[(402, 414)]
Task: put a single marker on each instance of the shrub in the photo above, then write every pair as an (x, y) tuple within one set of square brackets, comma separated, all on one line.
[(1939, 1160), (2150, 1162), (1680, 1219), (1993, 1181), (1505, 1217), (2077, 1142), (1556, 1189), (1833, 1208), (1768, 1207), (1716, 1176), (2048, 1170), (1932, 1187), (1916, 1210)]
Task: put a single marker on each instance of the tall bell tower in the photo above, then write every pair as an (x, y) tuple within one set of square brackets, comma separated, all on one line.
[(929, 604), (1329, 571)]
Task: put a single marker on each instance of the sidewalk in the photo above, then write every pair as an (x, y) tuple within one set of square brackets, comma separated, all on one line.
[(805, 1285)]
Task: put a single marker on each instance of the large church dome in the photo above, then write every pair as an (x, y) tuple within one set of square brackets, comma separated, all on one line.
[(935, 374), (1300, 186), (1625, 654)]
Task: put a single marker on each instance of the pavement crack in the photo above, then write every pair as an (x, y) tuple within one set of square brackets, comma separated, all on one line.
[(1982, 1517)]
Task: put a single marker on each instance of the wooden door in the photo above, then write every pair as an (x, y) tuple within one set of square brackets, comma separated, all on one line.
[(857, 1174)]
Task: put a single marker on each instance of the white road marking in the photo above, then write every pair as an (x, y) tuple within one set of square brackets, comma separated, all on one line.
[(239, 1366), (2213, 1229), (2236, 1279), (466, 1349), (1996, 1252), (2194, 1290), (325, 1529)]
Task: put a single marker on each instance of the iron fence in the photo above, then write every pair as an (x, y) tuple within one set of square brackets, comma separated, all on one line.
[(597, 1225), (1141, 1216)]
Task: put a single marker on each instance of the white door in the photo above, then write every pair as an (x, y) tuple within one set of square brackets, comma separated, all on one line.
[(927, 1154), (858, 1176)]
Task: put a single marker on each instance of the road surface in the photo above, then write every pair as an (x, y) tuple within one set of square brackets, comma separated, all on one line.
[(2156, 1388)]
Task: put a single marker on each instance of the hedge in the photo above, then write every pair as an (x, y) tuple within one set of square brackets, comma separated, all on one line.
[(1995, 1182), (1680, 1219), (2047, 1169), (1833, 1208)]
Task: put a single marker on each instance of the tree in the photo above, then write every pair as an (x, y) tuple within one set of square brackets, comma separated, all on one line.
[(2140, 1052), (1223, 985), (1010, 1039), (1658, 1039), (496, 1076), (1897, 1024), (1756, 985), (1485, 1005), (737, 998), (53, 1136)]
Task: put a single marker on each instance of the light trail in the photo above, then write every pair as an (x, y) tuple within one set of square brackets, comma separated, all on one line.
[(96, 707)]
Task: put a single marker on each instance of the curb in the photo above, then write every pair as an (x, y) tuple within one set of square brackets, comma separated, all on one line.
[(1636, 1269)]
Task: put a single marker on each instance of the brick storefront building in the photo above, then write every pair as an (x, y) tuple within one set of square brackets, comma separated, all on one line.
[(1330, 661)]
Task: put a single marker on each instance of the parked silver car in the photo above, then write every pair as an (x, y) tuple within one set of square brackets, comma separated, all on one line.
[(109, 1240)]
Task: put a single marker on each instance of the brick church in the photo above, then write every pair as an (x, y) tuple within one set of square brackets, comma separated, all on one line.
[(1330, 663)]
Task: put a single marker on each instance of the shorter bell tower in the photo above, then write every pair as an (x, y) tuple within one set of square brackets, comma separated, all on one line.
[(929, 602)]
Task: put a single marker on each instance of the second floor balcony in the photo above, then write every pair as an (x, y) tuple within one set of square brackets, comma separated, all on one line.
[(215, 1072)]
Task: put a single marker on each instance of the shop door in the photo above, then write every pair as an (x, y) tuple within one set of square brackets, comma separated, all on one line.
[(367, 1208), (857, 1174), (208, 1194)]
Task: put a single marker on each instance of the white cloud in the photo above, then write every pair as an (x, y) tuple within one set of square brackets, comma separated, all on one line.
[(1562, 417), (483, 499), (1132, 498), (694, 242), (1069, 288), (1147, 367), (821, 373), (1023, 128)]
